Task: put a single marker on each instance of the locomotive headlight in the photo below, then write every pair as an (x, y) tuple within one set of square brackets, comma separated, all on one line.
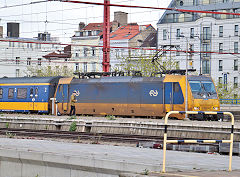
[(196, 108), (215, 108)]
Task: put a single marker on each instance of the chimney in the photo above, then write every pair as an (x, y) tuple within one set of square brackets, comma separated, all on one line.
[(12, 29), (44, 36), (81, 26), (121, 18)]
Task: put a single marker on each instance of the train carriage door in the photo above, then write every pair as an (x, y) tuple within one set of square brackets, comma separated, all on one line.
[(65, 94), (34, 96), (168, 96)]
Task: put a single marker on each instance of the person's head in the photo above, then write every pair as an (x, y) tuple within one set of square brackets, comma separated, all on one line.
[(74, 92)]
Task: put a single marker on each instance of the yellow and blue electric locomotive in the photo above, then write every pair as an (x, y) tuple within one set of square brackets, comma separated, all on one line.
[(138, 96)]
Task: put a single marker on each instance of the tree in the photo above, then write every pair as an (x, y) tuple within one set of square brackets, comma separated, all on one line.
[(146, 64), (45, 71), (227, 91)]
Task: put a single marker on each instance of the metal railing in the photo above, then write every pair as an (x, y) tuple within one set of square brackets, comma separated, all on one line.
[(197, 141), (229, 101)]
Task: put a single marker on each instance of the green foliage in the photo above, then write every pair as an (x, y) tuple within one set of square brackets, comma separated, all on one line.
[(72, 117), (10, 135), (110, 117), (145, 172), (145, 64), (7, 125), (73, 127), (227, 91), (45, 71)]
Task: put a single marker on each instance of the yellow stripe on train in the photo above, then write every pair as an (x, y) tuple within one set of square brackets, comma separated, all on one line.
[(35, 106)]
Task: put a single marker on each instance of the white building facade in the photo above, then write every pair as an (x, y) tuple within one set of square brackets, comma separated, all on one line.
[(212, 39), (17, 54)]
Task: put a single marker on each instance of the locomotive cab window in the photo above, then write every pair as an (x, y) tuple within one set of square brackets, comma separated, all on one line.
[(208, 86), (21, 93), (1, 93), (195, 86), (176, 87), (10, 93)]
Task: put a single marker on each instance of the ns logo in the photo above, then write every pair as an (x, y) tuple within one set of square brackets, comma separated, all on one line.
[(153, 93)]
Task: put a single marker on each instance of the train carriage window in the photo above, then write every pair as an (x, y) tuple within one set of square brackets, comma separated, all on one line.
[(10, 93), (1, 93), (176, 87), (36, 92), (31, 92), (21, 93)]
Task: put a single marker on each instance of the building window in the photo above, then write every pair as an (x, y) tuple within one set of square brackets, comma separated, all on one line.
[(220, 31), (164, 52), (235, 65), (1, 93), (85, 52), (220, 65), (178, 33), (177, 51), (39, 61), (17, 60), (28, 61), (10, 93), (85, 67), (164, 34), (117, 53), (236, 30), (89, 33), (235, 47), (94, 67), (206, 67), (65, 69), (93, 51), (220, 47), (220, 81), (191, 48), (17, 72), (235, 81), (191, 32), (77, 66), (206, 48), (175, 18), (177, 65), (206, 33)]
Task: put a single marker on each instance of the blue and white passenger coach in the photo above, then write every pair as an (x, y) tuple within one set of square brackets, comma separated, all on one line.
[(27, 94)]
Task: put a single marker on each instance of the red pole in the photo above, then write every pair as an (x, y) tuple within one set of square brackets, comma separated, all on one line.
[(106, 37)]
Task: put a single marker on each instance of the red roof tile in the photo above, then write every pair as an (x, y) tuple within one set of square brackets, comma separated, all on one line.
[(94, 26), (126, 32)]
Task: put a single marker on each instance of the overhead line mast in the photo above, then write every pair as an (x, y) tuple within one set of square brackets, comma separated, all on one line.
[(106, 37)]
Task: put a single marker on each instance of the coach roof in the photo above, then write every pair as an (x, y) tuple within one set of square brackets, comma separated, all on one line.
[(12, 80)]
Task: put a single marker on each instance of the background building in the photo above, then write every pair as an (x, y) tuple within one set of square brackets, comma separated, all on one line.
[(210, 35), (85, 42)]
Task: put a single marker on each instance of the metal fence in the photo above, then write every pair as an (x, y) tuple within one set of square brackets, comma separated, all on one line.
[(165, 142), (229, 101)]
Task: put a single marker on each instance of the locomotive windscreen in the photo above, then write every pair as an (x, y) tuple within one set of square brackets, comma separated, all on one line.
[(203, 89)]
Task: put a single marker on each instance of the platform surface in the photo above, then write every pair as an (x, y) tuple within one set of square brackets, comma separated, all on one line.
[(139, 158)]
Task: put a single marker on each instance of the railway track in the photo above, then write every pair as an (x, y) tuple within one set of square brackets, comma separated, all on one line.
[(95, 138), (78, 135)]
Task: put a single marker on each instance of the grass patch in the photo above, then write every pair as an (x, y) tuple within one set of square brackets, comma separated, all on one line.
[(73, 127)]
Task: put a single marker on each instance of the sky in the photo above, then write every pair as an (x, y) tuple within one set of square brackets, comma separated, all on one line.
[(63, 17)]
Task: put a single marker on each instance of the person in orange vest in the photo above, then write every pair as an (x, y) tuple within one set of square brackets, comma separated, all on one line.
[(72, 102)]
